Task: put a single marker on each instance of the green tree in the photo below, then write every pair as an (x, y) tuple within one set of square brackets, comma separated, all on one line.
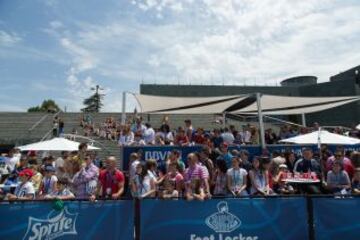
[(94, 102), (48, 105)]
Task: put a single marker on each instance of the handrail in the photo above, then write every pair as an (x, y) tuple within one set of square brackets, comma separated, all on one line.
[(38, 122), (50, 131)]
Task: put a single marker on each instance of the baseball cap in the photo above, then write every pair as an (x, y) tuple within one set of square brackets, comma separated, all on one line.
[(49, 168), (26, 172)]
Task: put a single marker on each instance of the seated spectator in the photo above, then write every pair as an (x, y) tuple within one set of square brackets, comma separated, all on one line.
[(189, 130), (166, 134), (111, 180), (290, 159), (216, 138), (282, 187), (138, 126), (219, 180), (138, 140), (270, 136), (85, 180), (259, 177), (356, 182), (149, 135), (237, 179), (308, 165), (126, 137), (244, 156), (25, 190), (346, 163), (338, 181), (62, 191), (255, 138), (245, 135), (159, 140), (195, 191), (170, 190), (181, 138), (48, 183), (199, 137)]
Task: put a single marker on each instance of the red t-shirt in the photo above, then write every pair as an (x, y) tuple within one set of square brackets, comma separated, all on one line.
[(112, 181)]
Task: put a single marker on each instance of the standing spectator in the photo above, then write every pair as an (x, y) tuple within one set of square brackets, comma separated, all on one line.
[(189, 130), (195, 191), (217, 139), (61, 127), (25, 190), (112, 180), (199, 136), (338, 181), (225, 154), (244, 156), (85, 180), (13, 159), (174, 157), (245, 135), (170, 190), (48, 183), (37, 177), (254, 139), (174, 176), (134, 161), (228, 137), (196, 171), (270, 136), (62, 191), (237, 179), (55, 126), (59, 164), (181, 138), (143, 185)]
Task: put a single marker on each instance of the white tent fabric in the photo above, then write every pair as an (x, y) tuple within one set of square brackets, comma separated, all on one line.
[(188, 105), (283, 105), (303, 110), (55, 144), (358, 127), (322, 137)]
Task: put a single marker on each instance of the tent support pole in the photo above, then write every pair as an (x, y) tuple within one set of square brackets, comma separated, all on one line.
[(261, 122), (224, 119), (303, 118), (123, 114)]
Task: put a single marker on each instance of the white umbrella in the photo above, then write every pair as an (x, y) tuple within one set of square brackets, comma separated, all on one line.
[(322, 137), (55, 144), (358, 127)]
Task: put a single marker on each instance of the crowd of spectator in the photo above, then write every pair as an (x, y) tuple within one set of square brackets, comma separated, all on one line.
[(137, 133), (218, 169)]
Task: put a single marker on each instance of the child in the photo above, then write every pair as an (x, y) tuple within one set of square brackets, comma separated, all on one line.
[(283, 187), (170, 191), (174, 176), (195, 191), (62, 192), (48, 184), (25, 190)]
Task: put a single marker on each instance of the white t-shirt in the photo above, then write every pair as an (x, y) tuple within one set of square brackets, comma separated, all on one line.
[(237, 178), (126, 140), (132, 170), (59, 162), (149, 136), (12, 162), (48, 183), (25, 189)]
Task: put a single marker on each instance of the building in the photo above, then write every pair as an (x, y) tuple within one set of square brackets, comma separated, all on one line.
[(344, 84)]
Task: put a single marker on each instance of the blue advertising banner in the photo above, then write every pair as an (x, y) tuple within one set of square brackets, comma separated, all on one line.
[(336, 218), (77, 220), (160, 153), (224, 219)]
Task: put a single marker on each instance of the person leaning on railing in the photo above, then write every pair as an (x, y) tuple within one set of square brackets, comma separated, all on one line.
[(25, 190)]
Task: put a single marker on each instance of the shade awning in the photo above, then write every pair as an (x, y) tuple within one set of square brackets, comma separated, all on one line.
[(187, 105), (55, 144), (281, 105)]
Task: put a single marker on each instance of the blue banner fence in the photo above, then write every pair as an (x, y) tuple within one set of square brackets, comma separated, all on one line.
[(254, 218), (160, 153)]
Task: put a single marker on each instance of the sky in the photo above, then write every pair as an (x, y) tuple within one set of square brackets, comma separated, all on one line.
[(59, 49)]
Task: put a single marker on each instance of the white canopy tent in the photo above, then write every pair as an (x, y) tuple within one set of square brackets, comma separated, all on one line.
[(322, 137), (358, 127), (55, 144)]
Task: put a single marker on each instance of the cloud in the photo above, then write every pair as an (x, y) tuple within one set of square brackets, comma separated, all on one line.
[(8, 39)]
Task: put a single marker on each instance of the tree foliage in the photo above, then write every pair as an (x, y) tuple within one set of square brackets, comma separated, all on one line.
[(93, 103), (48, 105)]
